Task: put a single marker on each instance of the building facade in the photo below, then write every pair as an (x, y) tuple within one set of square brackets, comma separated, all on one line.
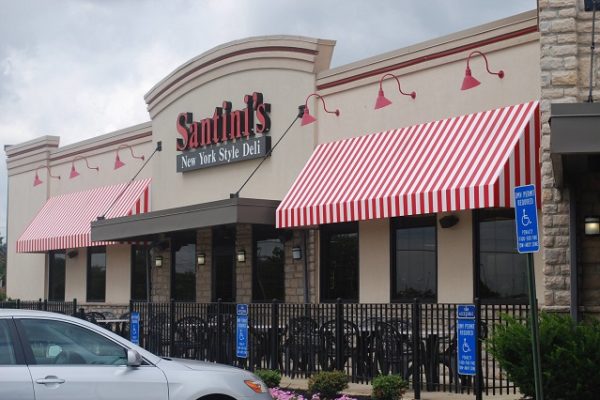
[(240, 198), (570, 148)]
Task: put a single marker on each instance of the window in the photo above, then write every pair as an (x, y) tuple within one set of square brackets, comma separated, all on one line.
[(140, 258), (269, 261), (339, 262), (55, 342), (224, 263), (502, 273), (96, 274), (7, 351), (56, 275), (183, 247), (414, 259)]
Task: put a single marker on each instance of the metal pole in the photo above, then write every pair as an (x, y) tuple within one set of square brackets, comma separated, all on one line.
[(478, 369), (535, 332)]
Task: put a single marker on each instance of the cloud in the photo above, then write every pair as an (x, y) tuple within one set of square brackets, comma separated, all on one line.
[(80, 68)]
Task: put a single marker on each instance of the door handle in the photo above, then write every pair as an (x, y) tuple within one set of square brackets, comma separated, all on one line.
[(50, 380)]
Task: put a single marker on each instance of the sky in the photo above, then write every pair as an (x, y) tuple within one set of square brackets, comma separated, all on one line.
[(80, 68)]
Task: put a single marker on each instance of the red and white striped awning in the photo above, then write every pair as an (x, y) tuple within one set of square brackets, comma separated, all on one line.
[(467, 162), (64, 221)]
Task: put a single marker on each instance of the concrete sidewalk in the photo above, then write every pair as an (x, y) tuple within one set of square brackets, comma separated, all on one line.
[(357, 389)]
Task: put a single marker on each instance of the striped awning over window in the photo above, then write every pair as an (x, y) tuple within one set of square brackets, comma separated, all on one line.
[(64, 221), (467, 162)]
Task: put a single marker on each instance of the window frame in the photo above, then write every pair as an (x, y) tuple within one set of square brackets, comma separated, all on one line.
[(325, 231), (407, 222), (14, 341), (90, 251), (133, 249), (477, 259), (29, 357), (190, 238), (263, 233), (51, 276)]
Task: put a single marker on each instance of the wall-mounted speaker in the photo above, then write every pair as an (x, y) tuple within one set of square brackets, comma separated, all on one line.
[(448, 221)]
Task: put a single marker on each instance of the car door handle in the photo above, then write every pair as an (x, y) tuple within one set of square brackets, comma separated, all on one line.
[(49, 380)]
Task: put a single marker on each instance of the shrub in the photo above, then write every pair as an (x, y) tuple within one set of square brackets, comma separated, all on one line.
[(328, 383), (388, 387), (570, 355), (270, 377)]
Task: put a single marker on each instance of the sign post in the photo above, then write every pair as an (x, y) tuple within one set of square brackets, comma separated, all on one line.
[(528, 242), (242, 331)]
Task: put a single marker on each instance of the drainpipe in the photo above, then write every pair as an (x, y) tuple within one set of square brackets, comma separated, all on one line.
[(574, 278), (306, 287)]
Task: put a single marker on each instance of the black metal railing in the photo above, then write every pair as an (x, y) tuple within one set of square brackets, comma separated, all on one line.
[(415, 340)]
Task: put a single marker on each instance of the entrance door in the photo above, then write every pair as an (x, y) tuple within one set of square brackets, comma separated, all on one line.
[(224, 263)]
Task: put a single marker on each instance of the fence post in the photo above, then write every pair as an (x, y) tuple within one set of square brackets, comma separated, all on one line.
[(274, 334), (45, 304), (416, 344), (172, 350), (74, 306), (19, 304), (39, 304), (219, 330), (339, 335), (478, 369)]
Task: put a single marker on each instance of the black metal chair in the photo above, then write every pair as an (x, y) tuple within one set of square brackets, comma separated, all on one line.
[(190, 338), (393, 350), (351, 342), (302, 345), (157, 336)]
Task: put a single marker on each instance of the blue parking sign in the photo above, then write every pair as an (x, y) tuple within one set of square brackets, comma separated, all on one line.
[(467, 360), (134, 328), (526, 222), (242, 331)]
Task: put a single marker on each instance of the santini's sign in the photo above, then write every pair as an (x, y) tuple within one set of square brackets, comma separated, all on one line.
[(228, 136)]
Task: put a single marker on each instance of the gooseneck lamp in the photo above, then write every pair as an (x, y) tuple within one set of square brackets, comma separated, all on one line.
[(383, 101), (37, 181), (470, 82), (74, 173), (118, 162), (309, 119)]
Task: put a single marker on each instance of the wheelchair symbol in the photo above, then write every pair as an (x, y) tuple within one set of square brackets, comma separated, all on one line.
[(525, 220), (465, 346)]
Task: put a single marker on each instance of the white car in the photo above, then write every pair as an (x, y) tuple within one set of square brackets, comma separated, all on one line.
[(53, 356)]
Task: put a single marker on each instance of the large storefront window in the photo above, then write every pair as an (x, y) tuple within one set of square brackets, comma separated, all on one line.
[(139, 277), (56, 275), (414, 259), (269, 260), (339, 262), (502, 273), (96, 274), (183, 254), (224, 263)]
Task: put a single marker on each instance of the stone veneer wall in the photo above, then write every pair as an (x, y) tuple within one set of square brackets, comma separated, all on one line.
[(204, 272), (294, 269), (565, 65), (243, 271), (161, 278)]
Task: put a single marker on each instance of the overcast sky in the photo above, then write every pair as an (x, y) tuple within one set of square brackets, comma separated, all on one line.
[(80, 68)]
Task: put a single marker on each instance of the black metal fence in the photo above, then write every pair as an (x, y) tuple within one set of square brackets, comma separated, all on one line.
[(417, 341)]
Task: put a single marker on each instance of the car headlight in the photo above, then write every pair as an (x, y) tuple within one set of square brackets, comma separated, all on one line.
[(256, 385)]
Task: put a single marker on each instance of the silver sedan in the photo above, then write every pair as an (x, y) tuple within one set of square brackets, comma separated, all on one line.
[(52, 356)]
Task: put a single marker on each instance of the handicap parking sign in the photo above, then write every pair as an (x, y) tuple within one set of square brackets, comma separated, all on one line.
[(526, 221)]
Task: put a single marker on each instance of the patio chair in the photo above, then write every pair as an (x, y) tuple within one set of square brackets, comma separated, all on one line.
[(351, 342), (302, 345), (393, 350), (190, 338)]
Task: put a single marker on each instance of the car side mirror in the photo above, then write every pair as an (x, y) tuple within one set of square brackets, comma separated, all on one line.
[(134, 359)]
